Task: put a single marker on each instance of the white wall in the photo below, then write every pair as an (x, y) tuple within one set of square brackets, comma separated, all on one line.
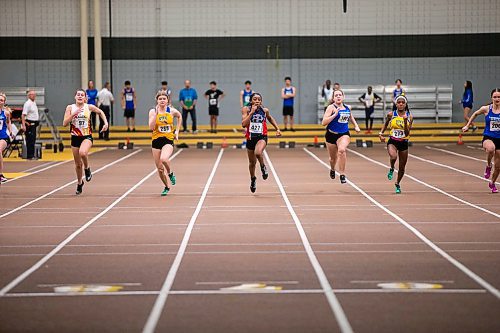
[(198, 18)]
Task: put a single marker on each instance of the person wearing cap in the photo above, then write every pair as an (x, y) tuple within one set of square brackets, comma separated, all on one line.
[(399, 122)]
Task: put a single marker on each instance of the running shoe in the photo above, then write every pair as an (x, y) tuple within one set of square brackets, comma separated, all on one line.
[(2, 178), (88, 174), (332, 174), (398, 189), (172, 178), (493, 188), (79, 188), (487, 172), (474, 128), (263, 169), (253, 184), (342, 179), (165, 191), (390, 174), (292, 129)]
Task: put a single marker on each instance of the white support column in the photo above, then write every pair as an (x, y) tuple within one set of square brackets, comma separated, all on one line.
[(97, 45), (84, 48)]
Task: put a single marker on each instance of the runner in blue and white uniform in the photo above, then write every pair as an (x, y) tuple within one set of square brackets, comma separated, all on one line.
[(337, 137), (5, 126), (491, 136)]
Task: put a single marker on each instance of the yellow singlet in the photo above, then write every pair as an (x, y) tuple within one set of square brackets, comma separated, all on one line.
[(164, 126), (397, 126)]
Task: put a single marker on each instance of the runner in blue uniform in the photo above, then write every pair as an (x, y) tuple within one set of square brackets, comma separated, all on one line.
[(337, 137), (491, 136), (5, 125)]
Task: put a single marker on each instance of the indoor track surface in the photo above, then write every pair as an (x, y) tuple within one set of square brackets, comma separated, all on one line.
[(303, 254)]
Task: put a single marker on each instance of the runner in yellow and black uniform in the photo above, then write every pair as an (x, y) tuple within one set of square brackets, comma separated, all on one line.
[(399, 122), (78, 116), (161, 122)]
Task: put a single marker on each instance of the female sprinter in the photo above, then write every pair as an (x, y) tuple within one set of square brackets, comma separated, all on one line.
[(5, 130), (161, 122), (337, 137), (78, 115), (491, 135), (254, 119), (399, 122)]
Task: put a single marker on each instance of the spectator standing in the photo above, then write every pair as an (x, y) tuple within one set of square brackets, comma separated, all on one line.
[(166, 89), (369, 98), (30, 121), (188, 98), (214, 96), (245, 94), (398, 91), (129, 101), (92, 100), (106, 99), (288, 94), (467, 100), (327, 93)]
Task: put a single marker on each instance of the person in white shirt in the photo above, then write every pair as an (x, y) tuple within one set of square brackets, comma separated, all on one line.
[(105, 98), (327, 93), (30, 121), (369, 99)]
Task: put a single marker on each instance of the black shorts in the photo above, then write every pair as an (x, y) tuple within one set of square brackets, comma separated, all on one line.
[(129, 113), (158, 143), (333, 137), (369, 112), (76, 141), (213, 111), (251, 143), (496, 141), (7, 140), (400, 145), (288, 111)]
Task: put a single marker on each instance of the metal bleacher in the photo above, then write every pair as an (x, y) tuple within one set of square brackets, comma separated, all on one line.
[(429, 104), (16, 96)]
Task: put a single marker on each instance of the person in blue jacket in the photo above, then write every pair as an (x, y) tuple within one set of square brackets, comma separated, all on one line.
[(467, 100)]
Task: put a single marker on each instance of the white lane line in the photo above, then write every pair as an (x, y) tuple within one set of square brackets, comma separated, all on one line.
[(425, 184), (334, 303), (249, 292), (456, 154), (417, 233), (209, 283), (128, 284), (66, 185), (39, 166), (157, 309), (450, 167), (61, 245), (387, 281)]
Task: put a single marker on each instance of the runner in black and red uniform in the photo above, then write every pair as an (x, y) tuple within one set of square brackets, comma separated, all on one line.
[(254, 119)]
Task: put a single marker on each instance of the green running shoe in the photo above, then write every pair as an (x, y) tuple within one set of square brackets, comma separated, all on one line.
[(390, 174), (172, 178), (165, 191), (398, 189)]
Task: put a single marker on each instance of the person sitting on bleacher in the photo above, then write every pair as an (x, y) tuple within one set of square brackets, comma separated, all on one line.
[(5, 125), (30, 120)]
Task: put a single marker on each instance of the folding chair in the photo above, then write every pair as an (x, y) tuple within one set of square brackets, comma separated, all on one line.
[(14, 144)]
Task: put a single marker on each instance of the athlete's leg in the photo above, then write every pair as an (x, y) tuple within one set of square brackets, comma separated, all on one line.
[(132, 122), (342, 144), (215, 123), (489, 147), (291, 122), (159, 165), (259, 150), (332, 154), (285, 121), (78, 164), (252, 161), (393, 154), (466, 116), (166, 152), (497, 167), (403, 158), (84, 152), (3, 145)]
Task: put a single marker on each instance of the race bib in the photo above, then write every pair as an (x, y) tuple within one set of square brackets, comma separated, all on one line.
[(1, 123), (129, 97), (212, 101), (81, 123), (256, 128), (344, 118), (247, 99), (494, 125), (165, 129), (398, 134)]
